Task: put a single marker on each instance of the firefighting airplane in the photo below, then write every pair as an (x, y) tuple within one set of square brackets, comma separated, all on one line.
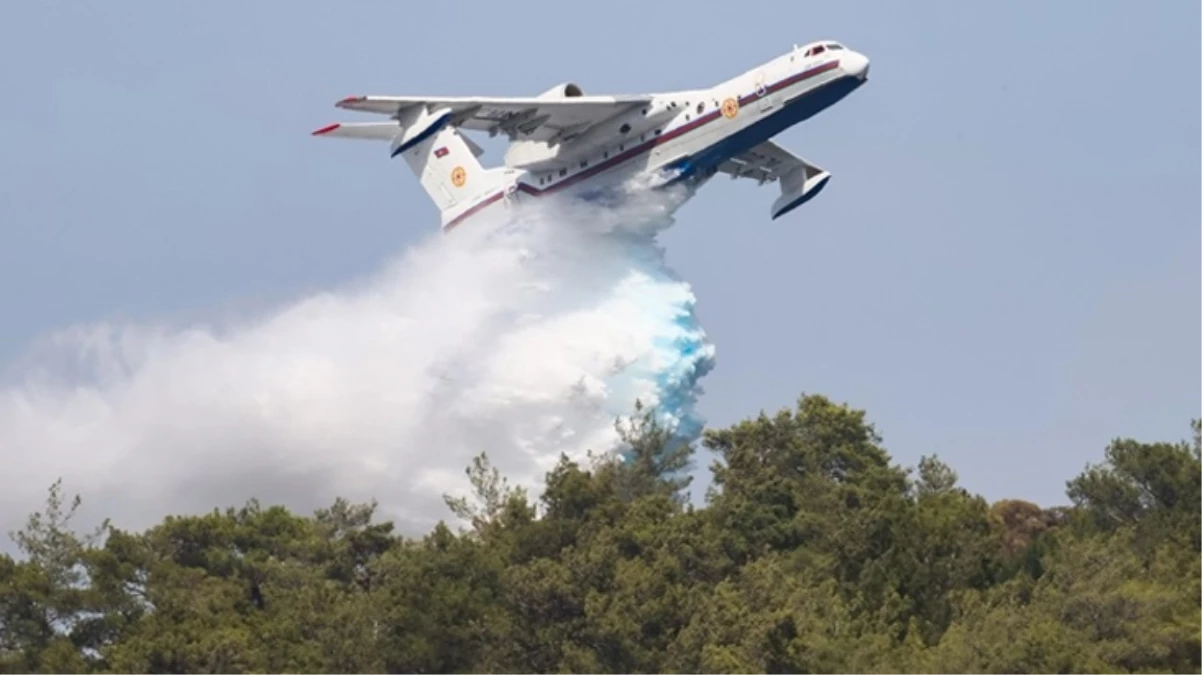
[(566, 142)]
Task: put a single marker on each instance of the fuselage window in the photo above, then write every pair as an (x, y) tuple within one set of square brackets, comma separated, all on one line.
[(701, 107)]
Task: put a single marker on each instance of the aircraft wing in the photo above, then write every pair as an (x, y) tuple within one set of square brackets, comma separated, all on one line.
[(549, 119), (799, 180), (765, 163)]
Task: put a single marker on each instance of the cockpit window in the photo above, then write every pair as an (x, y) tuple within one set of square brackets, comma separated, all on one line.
[(819, 49)]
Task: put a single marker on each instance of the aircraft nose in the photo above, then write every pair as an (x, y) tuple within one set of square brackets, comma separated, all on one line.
[(856, 65)]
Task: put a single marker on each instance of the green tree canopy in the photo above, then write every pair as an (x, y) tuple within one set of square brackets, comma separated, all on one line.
[(813, 552)]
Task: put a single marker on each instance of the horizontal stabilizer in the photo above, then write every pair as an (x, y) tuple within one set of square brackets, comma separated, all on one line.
[(372, 131), (377, 131)]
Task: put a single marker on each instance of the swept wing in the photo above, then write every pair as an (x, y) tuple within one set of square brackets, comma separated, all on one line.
[(528, 118)]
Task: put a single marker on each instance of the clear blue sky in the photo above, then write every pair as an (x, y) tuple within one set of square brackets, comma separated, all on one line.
[(1004, 270)]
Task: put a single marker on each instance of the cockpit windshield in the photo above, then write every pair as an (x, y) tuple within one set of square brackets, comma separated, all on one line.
[(820, 48)]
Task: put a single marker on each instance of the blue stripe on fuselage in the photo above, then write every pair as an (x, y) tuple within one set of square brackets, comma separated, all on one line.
[(792, 112)]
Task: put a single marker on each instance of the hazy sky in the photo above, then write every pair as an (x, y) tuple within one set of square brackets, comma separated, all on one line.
[(1004, 269)]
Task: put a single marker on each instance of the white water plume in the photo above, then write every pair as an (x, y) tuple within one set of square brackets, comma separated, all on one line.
[(522, 340)]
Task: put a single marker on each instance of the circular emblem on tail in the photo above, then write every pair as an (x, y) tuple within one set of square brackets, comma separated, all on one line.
[(458, 176), (730, 108)]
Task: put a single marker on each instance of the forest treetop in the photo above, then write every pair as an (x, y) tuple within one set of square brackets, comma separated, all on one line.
[(814, 552)]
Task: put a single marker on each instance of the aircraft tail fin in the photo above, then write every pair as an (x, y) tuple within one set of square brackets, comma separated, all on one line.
[(440, 156), (447, 166)]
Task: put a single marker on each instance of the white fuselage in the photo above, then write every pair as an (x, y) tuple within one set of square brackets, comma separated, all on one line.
[(681, 137)]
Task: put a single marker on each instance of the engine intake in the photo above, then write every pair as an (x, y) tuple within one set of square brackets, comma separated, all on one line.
[(565, 90)]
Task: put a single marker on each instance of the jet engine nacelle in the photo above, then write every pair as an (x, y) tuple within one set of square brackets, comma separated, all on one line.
[(564, 90)]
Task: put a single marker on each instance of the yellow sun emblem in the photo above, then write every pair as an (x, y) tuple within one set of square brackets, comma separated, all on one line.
[(730, 108)]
